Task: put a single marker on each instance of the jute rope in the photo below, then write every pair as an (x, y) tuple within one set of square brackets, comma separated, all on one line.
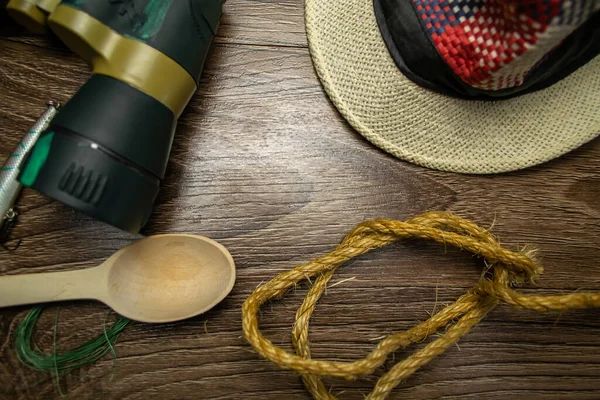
[(507, 269)]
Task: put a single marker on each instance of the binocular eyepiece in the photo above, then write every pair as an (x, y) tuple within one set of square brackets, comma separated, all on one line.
[(106, 152)]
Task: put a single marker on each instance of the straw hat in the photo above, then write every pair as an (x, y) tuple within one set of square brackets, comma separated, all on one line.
[(472, 86)]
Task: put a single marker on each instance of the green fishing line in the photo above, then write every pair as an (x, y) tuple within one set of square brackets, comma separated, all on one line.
[(58, 364)]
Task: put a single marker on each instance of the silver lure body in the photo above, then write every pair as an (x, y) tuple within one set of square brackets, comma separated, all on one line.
[(9, 185)]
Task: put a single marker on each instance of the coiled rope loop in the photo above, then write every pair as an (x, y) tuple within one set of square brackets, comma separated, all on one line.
[(507, 269)]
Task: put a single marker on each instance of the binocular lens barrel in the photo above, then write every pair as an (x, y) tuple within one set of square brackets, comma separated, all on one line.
[(106, 152)]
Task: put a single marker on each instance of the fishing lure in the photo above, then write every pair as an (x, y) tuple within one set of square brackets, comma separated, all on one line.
[(9, 185)]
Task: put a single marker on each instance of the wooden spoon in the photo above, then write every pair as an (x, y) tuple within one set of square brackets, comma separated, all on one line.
[(160, 278)]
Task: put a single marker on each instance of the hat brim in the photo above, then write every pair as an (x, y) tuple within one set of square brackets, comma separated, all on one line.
[(435, 130)]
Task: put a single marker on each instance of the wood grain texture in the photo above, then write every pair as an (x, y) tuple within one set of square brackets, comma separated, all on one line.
[(263, 163)]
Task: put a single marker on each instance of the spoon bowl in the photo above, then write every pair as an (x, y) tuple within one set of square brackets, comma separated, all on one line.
[(169, 277), (160, 278)]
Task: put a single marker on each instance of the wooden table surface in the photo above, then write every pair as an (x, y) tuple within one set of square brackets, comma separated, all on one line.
[(263, 163)]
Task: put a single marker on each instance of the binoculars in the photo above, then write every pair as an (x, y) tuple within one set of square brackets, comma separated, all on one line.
[(106, 151)]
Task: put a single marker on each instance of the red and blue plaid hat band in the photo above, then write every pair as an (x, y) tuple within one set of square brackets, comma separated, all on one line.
[(496, 45)]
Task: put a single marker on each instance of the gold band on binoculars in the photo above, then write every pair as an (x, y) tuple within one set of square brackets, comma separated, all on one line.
[(109, 53)]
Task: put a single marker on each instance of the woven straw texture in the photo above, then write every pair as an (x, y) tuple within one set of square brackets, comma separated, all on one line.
[(434, 130)]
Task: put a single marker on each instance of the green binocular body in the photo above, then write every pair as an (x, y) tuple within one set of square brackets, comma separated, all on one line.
[(106, 152)]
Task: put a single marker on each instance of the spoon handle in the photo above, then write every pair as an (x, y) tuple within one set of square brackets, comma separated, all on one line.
[(17, 290)]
